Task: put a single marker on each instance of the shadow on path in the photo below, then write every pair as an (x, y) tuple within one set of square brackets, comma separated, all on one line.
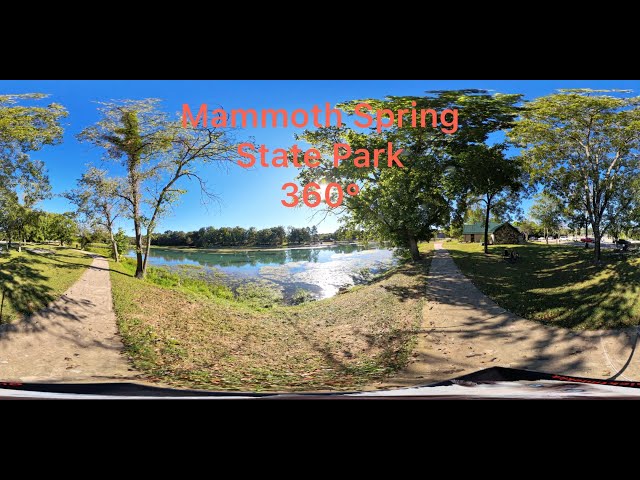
[(463, 330), (74, 338)]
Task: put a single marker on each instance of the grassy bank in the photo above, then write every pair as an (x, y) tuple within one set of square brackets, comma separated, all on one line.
[(188, 333), (557, 284), (31, 280)]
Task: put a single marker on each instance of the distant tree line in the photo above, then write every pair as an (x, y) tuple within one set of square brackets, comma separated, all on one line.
[(207, 237)]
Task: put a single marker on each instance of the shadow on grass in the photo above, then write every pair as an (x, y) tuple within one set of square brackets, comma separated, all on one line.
[(22, 286), (417, 269), (476, 319), (559, 285), (25, 289), (55, 257), (391, 342), (78, 265)]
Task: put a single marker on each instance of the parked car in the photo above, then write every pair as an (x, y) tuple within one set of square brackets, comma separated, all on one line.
[(564, 237), (586, 240), (623, 244), (541, 239)]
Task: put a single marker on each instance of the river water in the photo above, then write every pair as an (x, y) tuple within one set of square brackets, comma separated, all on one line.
[(321, 271)]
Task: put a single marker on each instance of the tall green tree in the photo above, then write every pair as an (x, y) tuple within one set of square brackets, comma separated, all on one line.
[(528, 227), (582, 144), (488, 175), (25, 127), (622, 214), (407, 204), (474, 214), (548, 210), (122, 241), (158, 154), (97, 200), (62, 227)]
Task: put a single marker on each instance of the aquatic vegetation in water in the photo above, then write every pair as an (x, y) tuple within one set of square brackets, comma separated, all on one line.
[(301, 296), (320, 271), (259, 294)]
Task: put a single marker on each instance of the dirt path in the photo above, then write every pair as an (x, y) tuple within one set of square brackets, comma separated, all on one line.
[(464, 331), (74, 339)]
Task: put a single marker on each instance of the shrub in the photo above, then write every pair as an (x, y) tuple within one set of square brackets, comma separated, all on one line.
[(122, 242), (301, 296), (259, 295)]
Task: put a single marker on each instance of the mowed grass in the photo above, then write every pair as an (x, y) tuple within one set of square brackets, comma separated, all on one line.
[(557, 284), (190, 336), (100, 248), (427, 247), (30, 281)]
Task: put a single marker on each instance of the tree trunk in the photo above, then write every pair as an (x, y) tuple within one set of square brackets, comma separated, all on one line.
[(486, 228), (112, 239), (146, 254), (413, 248), (139, 260), (135, 194), (133, 141), (114, 246), (2, 304), (546, 235), (596, 242)]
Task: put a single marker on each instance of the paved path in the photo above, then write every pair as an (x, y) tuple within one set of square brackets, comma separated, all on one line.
[(74, 339), (464, 331)]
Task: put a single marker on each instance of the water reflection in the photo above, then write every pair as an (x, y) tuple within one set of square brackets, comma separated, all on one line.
[(320, 270)]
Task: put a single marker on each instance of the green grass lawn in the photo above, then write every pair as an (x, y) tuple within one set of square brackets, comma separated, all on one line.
[(190, 334), (557, 284), (426, 247), (100, 248), (29, 281)]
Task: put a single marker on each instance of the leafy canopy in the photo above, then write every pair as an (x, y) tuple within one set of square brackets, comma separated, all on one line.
[(25, 127), (583, 145), (406, 205)]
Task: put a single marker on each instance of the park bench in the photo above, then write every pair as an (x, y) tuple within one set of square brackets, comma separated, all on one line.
[(511, 256)]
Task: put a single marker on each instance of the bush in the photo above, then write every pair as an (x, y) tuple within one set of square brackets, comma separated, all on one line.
[(301, 296), (258, 295), (402, 254), (122, 242)]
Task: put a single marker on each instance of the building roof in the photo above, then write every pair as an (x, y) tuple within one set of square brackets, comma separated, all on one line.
[(478, 228)]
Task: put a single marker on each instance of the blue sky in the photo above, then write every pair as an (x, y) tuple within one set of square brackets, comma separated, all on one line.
[(248, 197)]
